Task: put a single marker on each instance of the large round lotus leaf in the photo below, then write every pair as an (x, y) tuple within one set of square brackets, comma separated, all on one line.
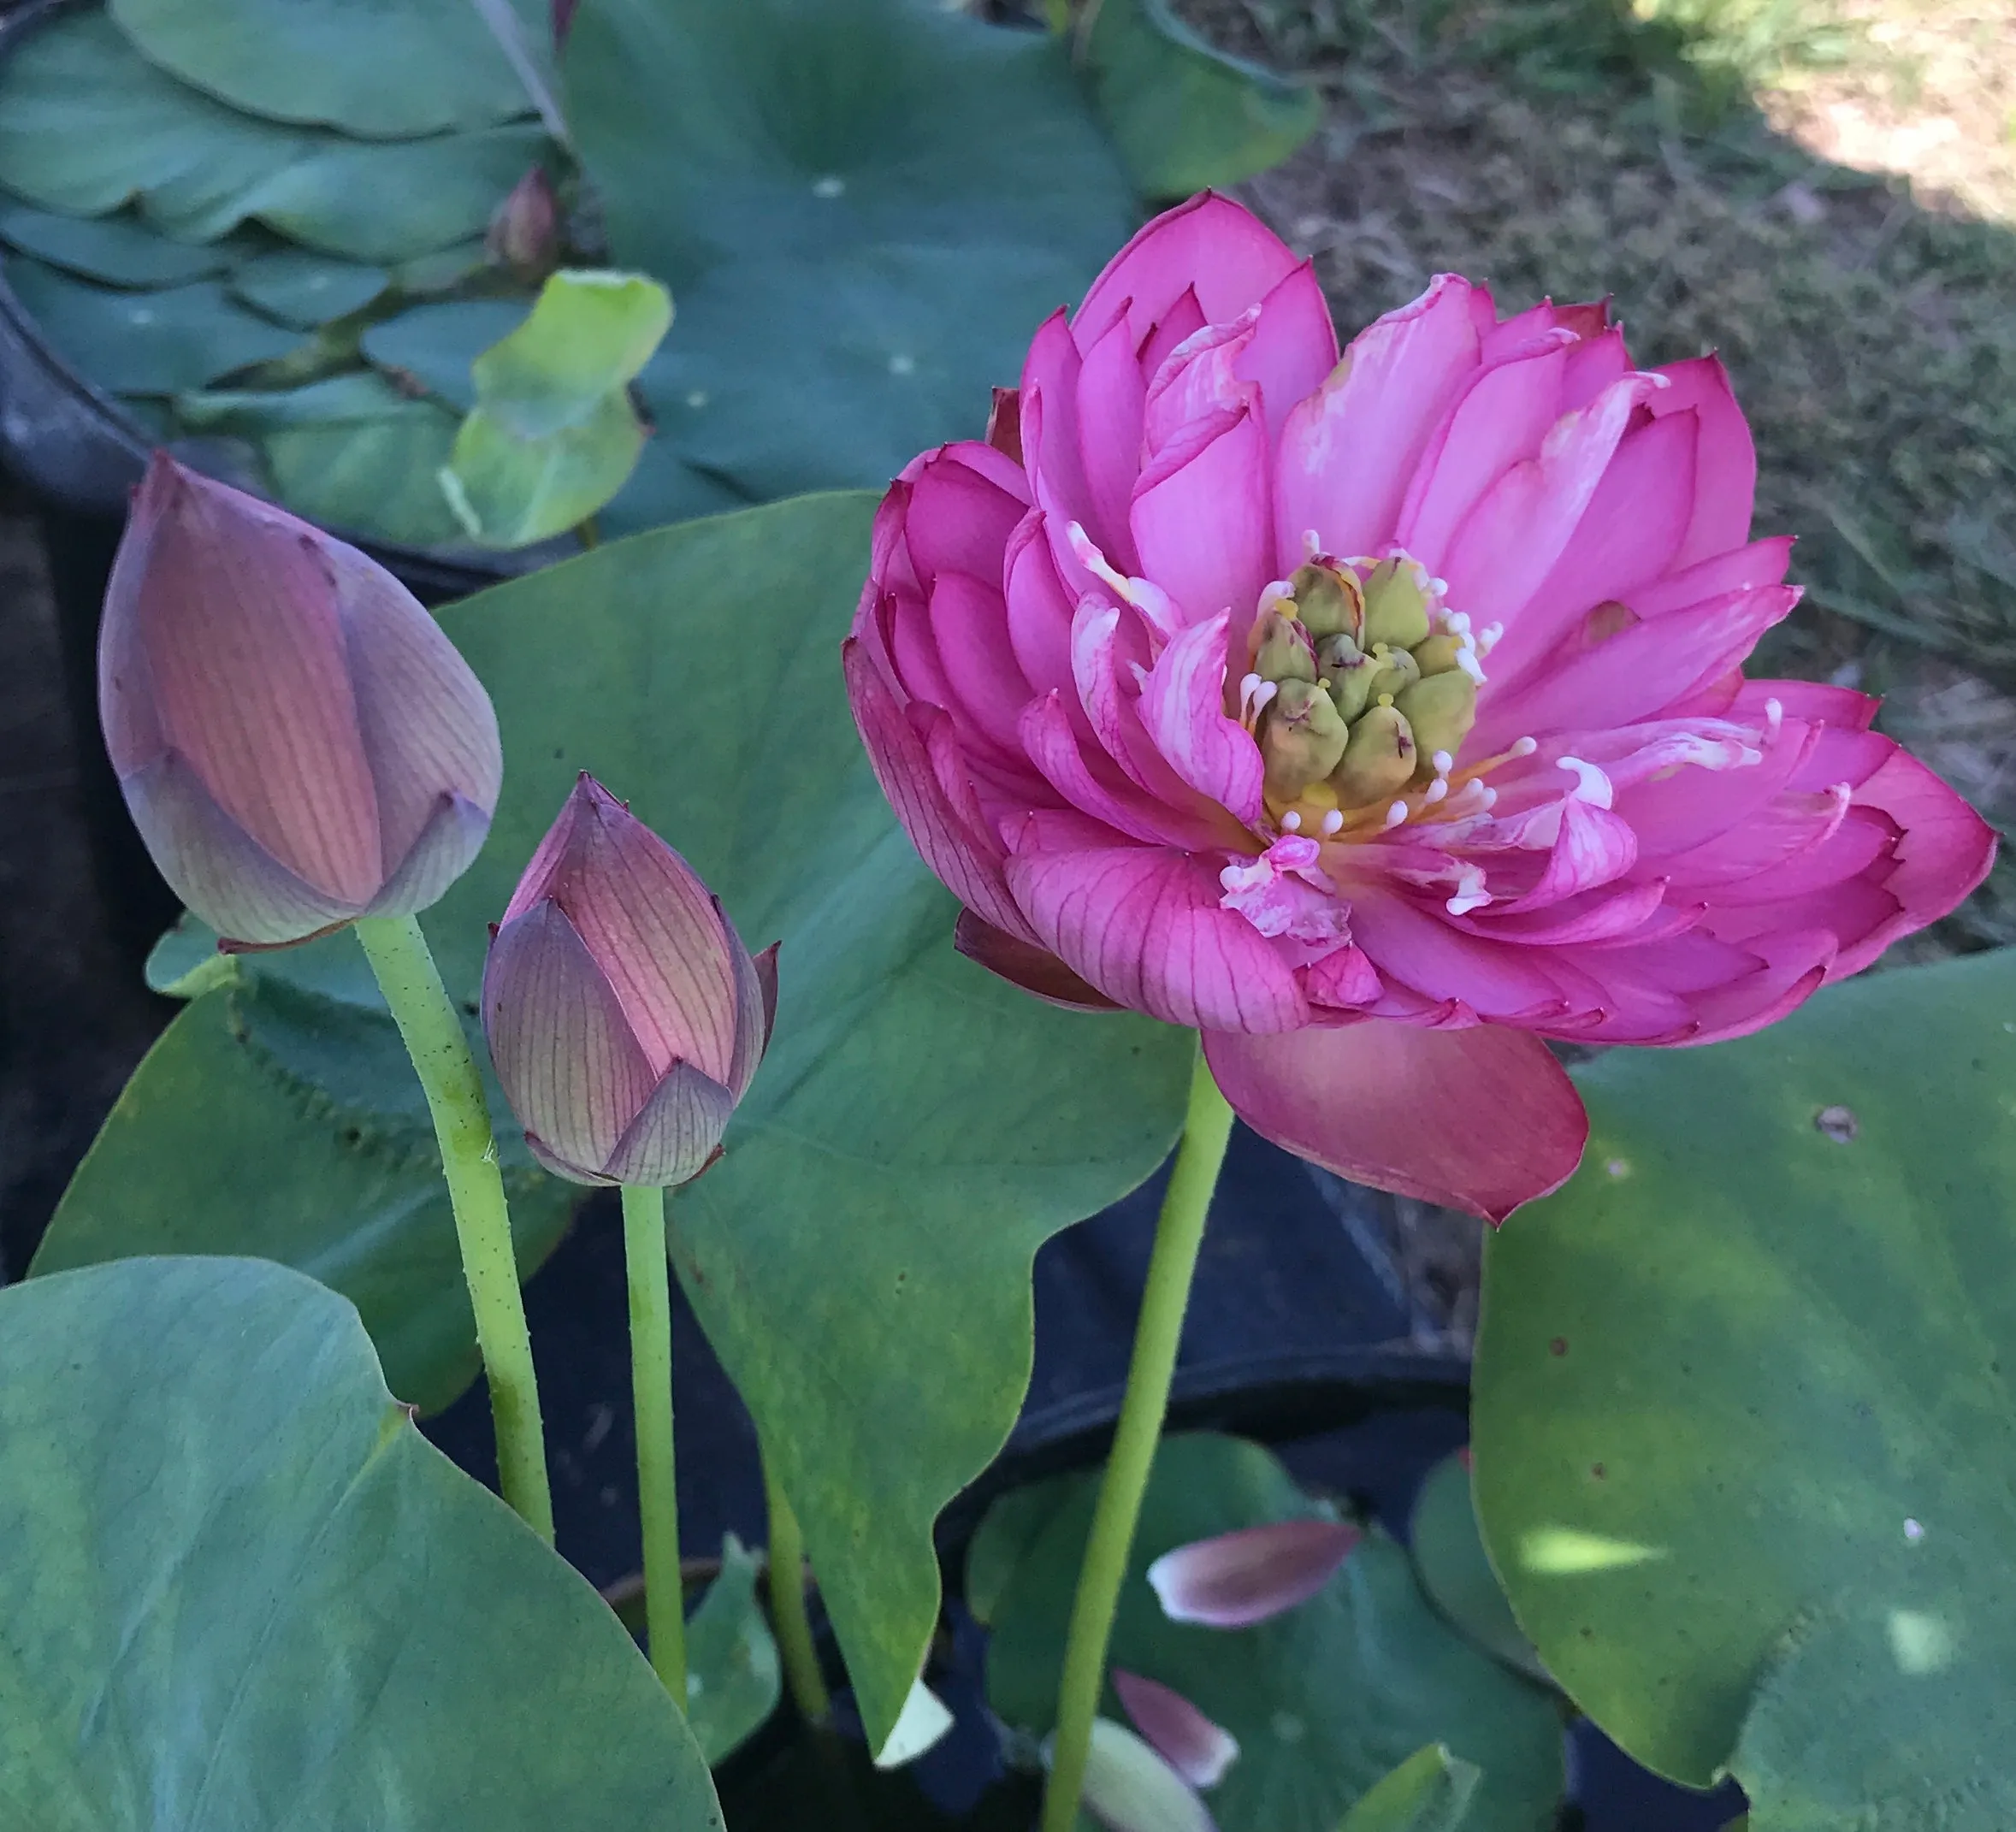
[(241, 1591), (351, 454), (146, 343), (1744, 1417), (272, 1120), (367, 67), (860, 1258), (805, 127), (799, 374), (1454, 1569), (305, 289), (1185, 116), (1324, 1700), (113, 249), (436, 345)]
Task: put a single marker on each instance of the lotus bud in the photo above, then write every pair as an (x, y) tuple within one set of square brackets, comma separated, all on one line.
[(1282, 650), (1397, 671), (1302, 739), (1440, 711), (1328, 601), (1237, 1579), (1438, 654), (298, 742), (1378, 762), (1396, 606), (625, 1018), (524, 232)]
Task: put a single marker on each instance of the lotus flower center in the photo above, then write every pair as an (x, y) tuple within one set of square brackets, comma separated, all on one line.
[(1360, 687)]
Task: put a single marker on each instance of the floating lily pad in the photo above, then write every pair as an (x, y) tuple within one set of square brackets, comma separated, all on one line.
[(380, 71), (437, 345), (733, 1677), (146, 343), (1430, 1792), (306, 289), (116, 249), (1456, 1572), (351, 454)]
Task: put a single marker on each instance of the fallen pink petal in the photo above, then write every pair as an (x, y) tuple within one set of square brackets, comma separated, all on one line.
[(1197, 1749), (1251, 1575)]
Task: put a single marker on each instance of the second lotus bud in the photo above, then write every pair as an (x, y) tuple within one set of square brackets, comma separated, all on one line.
[(625, 1015)]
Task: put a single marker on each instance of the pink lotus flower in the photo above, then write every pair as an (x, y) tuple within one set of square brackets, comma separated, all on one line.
[(298, 742), (1379, 718), (624, 1016)]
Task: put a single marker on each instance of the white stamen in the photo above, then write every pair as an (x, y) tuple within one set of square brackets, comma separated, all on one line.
[(1333, 823), (1466, 659), (1487, 796), (1470, 893), (1088, 555), (1487, 637), (1774, 717), (1439, 587), (1395, 815), (1274, 593), (1524, 748), (1292, 822), (1459, 623), (1443, 762), (1312, 543), (1436, 791), (1591, 784)]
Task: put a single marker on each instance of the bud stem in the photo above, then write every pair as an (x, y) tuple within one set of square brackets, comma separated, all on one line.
[(787, 1605), (651, 1392), (1179, 1233), (431, 1028)]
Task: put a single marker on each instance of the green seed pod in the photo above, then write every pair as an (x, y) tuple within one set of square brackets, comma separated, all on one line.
[(1396, 672), (1396, 609), (1378, 762), (1302, 739), (1282, 650), (1328, 601), (1441, 710), (1348, 673), (1437, 654)]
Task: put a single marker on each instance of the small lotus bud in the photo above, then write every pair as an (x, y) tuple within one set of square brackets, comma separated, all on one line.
[(1395, 607), (1439, 710), (298, 742), (1328, 601), (1302, 739), (1378, 762), (1438, 655), (1282, 650), (1396, 672), (524, 233), (625, 1018)]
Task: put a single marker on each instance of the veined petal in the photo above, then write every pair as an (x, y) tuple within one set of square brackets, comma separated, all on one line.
[(1292, 349), (964, 502), (1198, 379), (1725, 463), (1205, 527), (1024, 964), (676, 1135), (1346, 453), (755, 1010), (1237, 1579), (1211, 245), (1761, 563), (1111, 395), (1482, 1118), (969, 629), (447, 847), (1197, 1749), (1143, 926), (1182, 708), (1052, 746)]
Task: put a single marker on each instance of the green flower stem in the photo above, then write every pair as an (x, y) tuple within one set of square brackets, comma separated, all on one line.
[(1207, 1128), (651, 1391), (787, 1606), (432, 1030)]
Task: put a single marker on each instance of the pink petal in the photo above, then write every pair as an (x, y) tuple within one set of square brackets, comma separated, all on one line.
[(215, 867), (1813, 701), (1198, 379), (1343, 978), (955, 852), (1182, 706), (1111, 396), (1178, 325), (1211, 245), (1725, 464), (1024, 964), (1593, 848), (1506, 545), (1592, 365), (755, 1010), (964, 504), (1039, 610), (1481, 1119), (1628, 534), (1501, 417), (676, 1135), (1203, 528), (1293, 347), (1050, 744), (969, 629), (1761, 563), (1346, 453), (574, 1074), (1251, 1575), (1498, 981), (1197, 1749), (1143, 925), (442, 851)]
